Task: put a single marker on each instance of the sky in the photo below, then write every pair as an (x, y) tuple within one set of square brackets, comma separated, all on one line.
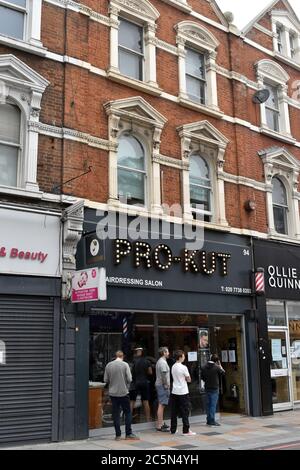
[(245, 11)]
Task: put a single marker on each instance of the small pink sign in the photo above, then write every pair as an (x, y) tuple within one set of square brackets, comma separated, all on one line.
[(85, 285)]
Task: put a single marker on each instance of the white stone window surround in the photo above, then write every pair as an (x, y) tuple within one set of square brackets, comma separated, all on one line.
[(193, 35), (288, 25), (278, 162), (202, 138), (269, 72), (138, 117), (24, 87), (140, 12), (32, 26)]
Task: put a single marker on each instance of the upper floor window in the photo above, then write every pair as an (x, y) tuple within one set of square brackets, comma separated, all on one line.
[(12, 18), (195, 76), (279, 32), (280, 206), (131, 171), (275, 116), (197, 67), (21, 91), (10, 146), (200, 186), (292, 38), (133, 44), (131, 49), (272, 108)]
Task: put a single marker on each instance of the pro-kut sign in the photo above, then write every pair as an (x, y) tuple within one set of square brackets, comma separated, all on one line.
[(162, 258)]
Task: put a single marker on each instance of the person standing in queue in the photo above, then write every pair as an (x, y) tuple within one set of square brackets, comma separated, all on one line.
[(211, 374), (141, 371), (118, 377), (162, 386), (180, 398)]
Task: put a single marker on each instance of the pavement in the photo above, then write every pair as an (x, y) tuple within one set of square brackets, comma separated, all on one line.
[(281, 431)]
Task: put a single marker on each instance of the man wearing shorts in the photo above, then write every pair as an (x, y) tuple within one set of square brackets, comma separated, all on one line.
[(162, 385), (141, 370)]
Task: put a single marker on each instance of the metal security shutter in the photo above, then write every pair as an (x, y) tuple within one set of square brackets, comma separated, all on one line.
[(26, 326)]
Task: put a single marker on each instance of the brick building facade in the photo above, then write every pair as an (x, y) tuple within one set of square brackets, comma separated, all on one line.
[(178, 78)]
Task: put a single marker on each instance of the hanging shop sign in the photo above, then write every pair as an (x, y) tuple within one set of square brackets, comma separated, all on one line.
[(89, 285), (30, 243), (281, 264)]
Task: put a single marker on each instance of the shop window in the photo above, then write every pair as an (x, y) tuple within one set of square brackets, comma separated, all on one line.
[(131, 49), (294, 328), (10, 145), (131, 170), (200, 186), (280, 206), (276, 314)]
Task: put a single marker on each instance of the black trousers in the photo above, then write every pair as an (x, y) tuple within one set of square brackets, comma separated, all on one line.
[(180, 405)]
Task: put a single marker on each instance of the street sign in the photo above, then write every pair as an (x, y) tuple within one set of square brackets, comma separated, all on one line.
[(89, 285)]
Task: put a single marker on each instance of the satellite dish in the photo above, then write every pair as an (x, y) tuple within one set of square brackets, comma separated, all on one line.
[(261, 96)]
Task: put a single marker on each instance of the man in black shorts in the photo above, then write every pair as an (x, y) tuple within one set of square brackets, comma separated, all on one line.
[(141, 370)]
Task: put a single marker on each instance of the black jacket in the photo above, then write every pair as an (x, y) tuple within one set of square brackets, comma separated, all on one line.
[(211, 374)]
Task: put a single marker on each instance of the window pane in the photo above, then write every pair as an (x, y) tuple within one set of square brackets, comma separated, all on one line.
[(131, 153), (11, 22), (272, 101), (21, 3), (131, 64), (279, 192), (8, 165), (195, 63), (200, 196), (131, 36), (195, 89), (276, 314), (272, 120), (198, 168), (9, 123), (131, 185), (280, 218)]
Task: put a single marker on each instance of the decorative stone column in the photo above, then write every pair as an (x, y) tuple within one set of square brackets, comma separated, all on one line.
[(150, 55), (211, 89), (114, 38), (285, 125), (181, 62), (220, 187)]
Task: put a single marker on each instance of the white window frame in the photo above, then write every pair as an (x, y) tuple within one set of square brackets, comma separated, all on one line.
[(136, 116), (194, 36), (278, 162), (32, 25), (202, 138), (20, 146), (285, 206), (141, 55), (269, 72), (24, 87), (145, 15), (134, 131), (289, 26), (210, 188)]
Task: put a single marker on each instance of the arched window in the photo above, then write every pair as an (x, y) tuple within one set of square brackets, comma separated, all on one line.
[(200, 186), (10, 145), (131, 171), (280, 206)]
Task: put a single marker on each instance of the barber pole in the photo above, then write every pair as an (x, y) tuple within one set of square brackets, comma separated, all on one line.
[(125, 327), (260, 281)]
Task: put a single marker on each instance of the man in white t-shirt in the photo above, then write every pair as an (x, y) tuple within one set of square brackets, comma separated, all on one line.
[(180, 398)]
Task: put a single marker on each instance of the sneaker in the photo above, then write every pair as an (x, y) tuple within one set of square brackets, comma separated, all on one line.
[(176, 432), (215, 424), (190, 433), (165, 426), (132, 437), (117, 438)]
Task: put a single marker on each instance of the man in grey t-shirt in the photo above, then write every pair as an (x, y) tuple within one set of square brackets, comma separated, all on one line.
[(118, 377), (162, 385)]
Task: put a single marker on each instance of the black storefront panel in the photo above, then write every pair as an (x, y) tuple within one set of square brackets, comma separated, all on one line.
[(26, 378), (281, 263)]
